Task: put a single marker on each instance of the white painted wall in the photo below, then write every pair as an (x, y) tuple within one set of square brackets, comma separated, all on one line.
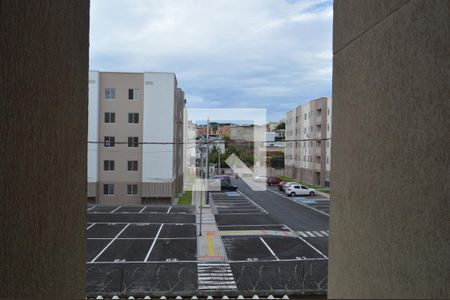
[(329, 135), (158, 121), (93, 123)]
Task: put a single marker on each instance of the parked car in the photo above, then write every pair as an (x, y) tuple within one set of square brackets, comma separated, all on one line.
[(225, 183), (300, 190), (272, 180), (260, 178), (225, 186), (281, 185), (225, 178), (288, 184)]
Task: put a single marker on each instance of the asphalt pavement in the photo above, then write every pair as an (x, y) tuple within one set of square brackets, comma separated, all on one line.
[(299, 218)]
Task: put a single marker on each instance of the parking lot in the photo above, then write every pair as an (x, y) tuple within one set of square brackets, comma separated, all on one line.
[(152, 250), (141, 249), (264, 255)]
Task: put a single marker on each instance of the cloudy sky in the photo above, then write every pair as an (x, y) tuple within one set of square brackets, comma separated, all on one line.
[(226, 53)]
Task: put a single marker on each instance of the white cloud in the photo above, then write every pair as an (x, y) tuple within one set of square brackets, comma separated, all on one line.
[(225, 51)]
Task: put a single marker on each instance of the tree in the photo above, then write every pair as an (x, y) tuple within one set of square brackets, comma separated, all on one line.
[(281, 125)]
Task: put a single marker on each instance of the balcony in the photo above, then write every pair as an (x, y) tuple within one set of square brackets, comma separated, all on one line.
[(316, 166), (318, 151), (318, 135), (319, 119)]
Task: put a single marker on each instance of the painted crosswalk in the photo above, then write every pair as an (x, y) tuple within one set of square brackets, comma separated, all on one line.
[(212, 276), (206, 219), (313, 234)]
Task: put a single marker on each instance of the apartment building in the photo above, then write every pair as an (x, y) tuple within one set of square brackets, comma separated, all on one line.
[(135, 134), (308, 142)]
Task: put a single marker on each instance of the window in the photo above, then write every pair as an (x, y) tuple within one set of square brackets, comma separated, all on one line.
[(328, 144), (110, 94), (110, 117), (304, 130), (303, 187), (132, 165), (296, 118), (132, 189), (133, 141), (328, 127), (328, 160), (133, 118), (305, 116), (109, 141), (133, 94), (108, 165), (108, 189)]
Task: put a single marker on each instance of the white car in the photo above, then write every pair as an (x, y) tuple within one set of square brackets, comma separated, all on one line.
[(260, 178), (299, 190), (288, 184)]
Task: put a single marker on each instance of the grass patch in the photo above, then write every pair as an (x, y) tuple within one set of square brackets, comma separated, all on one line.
[(186, 199), (325, 190)]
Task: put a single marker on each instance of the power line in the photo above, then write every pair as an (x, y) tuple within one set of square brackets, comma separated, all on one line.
[(211, 142)]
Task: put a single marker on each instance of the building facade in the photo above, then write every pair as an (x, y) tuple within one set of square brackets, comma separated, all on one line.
[(135, 135), (308, 142), (224, 130)]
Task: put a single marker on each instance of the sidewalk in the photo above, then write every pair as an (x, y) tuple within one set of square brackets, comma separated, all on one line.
[(210, 247)]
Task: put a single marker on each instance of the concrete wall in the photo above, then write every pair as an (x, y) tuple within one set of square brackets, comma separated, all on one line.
[(121, 130), (158, 122), (43, 129), (390, 210), (93, 128)]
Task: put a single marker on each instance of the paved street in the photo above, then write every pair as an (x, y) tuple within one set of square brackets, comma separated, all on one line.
[(283, 210)]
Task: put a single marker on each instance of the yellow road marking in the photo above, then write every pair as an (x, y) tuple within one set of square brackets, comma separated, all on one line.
[(210, 245)]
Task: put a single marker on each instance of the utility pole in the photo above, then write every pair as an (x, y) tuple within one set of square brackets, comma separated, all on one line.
[(218, 156), (201, 198), (207, 162)]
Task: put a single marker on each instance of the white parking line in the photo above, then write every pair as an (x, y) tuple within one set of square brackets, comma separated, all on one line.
[(91, 207), (90, 226), (150, 238), (109, 244), (324, 233), (115, 209), (168, 211), (154, 242), (299, 203), (310, 233), (142, 209), (303, 234), (143, 223), (317, 250), (318, 233), (252, 225), (271, 251)]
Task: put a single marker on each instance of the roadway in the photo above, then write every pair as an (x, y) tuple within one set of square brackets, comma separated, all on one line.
[(285, 211)]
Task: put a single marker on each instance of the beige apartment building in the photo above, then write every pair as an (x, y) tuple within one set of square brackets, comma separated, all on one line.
[(308, 142), (135, 136)]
